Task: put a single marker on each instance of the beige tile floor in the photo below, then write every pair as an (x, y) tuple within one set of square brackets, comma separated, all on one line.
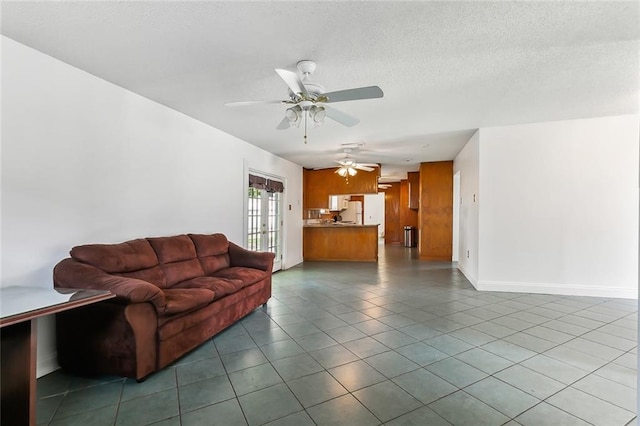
[(401, 342)]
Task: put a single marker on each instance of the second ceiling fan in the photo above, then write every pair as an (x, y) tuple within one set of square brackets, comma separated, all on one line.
[(348, 166), (308, 99)]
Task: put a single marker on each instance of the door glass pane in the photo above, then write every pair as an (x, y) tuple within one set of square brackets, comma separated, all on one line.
[(253, 215), (274, 223)]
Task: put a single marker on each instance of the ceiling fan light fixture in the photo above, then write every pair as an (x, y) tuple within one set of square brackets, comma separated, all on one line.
[(318, 114), (342, 171), (352, 171), (293, 113)]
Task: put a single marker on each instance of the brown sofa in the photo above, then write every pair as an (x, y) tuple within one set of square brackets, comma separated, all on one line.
[(172, 294)]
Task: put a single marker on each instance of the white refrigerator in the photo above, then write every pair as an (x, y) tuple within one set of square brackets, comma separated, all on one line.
[(353, 213)]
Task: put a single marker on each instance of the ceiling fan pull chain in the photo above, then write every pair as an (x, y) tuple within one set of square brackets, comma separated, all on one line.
[(305, 127)]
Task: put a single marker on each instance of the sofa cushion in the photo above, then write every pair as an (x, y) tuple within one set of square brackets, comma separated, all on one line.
[(210, 245), (179, 271), (173, 249), (185, 300), (117, 258), (153, 275), (212, 264), (220, 286), (215, 313), (177, 256), (246, 275)]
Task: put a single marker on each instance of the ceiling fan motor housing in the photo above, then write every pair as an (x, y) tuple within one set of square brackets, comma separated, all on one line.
[(306, 67)]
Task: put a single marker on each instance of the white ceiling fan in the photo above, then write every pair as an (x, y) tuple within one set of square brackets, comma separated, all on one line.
[(349, 167), (308, 99)]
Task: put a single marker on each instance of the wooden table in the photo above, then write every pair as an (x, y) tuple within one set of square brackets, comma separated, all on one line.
[(19, 308)]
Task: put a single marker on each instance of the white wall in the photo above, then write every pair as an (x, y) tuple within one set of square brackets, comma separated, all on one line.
[(559, 211), (455, 243), (466, 163), (85, 161)]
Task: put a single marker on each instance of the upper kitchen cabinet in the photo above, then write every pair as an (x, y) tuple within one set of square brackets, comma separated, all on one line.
[(319, 184), (414, 190), (338, 202)]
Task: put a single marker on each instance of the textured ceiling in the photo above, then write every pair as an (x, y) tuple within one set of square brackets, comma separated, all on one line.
[(446, 68)]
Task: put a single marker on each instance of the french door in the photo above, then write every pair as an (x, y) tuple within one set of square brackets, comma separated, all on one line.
[(264, 230)]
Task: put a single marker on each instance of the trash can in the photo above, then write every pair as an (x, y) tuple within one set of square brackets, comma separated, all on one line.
[(409, 236)]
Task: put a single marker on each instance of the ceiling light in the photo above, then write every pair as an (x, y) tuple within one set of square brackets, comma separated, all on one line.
[(352, 171), (342, 171), (317, 113), (293, 113)]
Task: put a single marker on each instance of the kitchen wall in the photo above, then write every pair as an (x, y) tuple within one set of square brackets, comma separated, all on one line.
[(319, 184), (86, 161), (557, 207)]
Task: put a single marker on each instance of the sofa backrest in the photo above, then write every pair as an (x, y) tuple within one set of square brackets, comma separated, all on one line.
[(177, 256), (163, 261), (134, 259), (212, 250)]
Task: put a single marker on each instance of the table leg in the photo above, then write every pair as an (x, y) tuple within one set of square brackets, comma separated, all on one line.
[(18, 374)]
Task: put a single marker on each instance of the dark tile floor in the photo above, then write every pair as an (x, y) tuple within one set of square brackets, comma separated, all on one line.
[(401, 342)]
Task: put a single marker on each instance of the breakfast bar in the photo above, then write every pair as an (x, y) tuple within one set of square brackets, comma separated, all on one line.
[(340, 242)]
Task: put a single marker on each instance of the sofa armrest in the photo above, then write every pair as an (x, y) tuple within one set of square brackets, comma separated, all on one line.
[(70, 273), (239, 256)]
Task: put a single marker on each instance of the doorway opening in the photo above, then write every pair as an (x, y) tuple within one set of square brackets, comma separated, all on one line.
[(264, 217)]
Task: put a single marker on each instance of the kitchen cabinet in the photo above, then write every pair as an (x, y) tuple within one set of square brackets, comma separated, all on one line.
[(338, 242), (319, 184), (338, 202), (414, 190)]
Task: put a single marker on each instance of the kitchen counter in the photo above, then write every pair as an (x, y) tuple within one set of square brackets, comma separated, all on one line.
[(339, 225), (348, 242)]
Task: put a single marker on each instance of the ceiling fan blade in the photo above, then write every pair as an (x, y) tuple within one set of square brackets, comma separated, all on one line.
[(340, 117), (369, 164), (342, 163), (245, 103), (292, 80), (284, 124), (364, 168), (369, 92)]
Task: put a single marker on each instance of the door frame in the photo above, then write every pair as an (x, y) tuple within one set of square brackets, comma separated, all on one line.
[(245, 207)]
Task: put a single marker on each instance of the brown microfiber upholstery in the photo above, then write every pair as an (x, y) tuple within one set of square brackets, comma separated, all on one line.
[(246, 275), (213, 251), (124, 257), (220, 286), (70, 273), (185, 300), (172, 294), (242, 257), (153, 275), (177, 256), (210, 245), (173, 249), (179, 271)]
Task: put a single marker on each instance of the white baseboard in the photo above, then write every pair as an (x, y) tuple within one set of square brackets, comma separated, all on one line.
[(47, 364), (560, 289), (291, 263), (473, 280)]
